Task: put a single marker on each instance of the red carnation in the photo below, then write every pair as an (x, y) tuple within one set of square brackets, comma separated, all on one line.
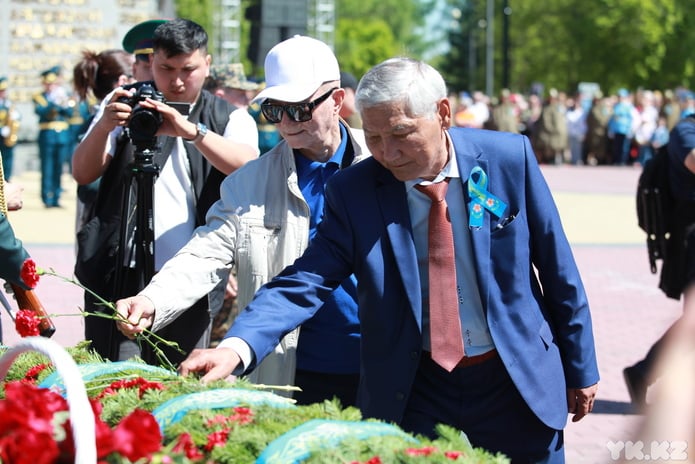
[(424, 451), (453, 455), (185, 444), (137, 435), (32, 374), (26, 323), (28, 273)]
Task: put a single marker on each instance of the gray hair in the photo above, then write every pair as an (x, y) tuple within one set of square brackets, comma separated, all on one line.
[(402, 80)]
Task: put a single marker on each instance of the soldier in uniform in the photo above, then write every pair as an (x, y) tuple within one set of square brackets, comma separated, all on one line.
[(9, 125), (229, 83), (54, 108)]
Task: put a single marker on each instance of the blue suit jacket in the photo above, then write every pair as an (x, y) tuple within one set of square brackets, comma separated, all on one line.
[(532, 294)]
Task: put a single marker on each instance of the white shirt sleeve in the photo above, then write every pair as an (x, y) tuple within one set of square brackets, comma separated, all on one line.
[(242, 349), (241, 128)]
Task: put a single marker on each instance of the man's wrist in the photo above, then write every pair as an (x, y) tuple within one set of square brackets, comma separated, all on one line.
[(201, 131)]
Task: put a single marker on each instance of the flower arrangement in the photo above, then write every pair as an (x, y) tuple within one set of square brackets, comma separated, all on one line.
[(133, 405), (148, 414)]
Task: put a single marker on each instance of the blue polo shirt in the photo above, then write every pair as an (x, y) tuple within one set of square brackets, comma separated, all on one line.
[(330, 340)]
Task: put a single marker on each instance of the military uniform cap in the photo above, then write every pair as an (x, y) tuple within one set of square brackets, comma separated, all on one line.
[(50, 75), (3, 83), (138, 40), (232, 76)]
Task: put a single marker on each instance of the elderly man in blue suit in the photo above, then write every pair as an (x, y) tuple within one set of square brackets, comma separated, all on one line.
[(529, 348)]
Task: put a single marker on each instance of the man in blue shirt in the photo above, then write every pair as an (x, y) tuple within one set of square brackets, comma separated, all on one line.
[(268, 212)]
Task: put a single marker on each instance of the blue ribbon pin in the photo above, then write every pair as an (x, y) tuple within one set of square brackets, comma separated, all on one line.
[(481, 199)]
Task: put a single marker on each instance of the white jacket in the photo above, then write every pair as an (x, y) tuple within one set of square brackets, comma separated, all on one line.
[(260, 225)]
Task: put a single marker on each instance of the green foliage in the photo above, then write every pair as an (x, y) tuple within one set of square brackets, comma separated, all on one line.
[(559, 43), (247, 440), (363, 44), (370, 31), (25, 361), (200, 11)]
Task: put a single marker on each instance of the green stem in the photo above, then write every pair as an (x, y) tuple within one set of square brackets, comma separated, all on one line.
[(146, 334)]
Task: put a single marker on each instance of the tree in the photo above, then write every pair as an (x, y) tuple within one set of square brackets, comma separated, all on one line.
[(616, 43), (370, 31)]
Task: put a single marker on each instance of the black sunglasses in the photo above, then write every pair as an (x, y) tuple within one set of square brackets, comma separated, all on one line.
[(298, 112)]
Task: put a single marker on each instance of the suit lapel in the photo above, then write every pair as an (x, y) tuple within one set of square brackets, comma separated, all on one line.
[(393, 204), (468, 156)]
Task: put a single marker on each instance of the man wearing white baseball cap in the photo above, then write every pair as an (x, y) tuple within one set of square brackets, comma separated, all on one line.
[(268, 212)]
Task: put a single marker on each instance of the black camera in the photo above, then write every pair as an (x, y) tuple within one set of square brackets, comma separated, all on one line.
[(144, 122)]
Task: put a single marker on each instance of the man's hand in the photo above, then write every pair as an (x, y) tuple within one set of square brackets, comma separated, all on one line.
[(138, 311), (232, 289), (174, 124), (116, 113), (13, 196), (580, 401), (214, 363)]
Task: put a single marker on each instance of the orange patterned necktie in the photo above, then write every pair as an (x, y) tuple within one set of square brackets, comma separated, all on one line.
[(445, 326)]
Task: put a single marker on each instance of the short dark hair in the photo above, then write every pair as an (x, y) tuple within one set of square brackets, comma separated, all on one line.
[(180, 36)]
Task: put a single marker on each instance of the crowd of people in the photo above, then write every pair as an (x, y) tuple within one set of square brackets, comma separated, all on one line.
[(369, 260), (589, 128)]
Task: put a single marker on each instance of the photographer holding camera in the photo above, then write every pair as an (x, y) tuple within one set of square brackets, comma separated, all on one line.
[(192, 145)]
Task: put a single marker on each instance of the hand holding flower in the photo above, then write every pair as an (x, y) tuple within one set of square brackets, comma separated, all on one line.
[(136, 315), (27, 324)]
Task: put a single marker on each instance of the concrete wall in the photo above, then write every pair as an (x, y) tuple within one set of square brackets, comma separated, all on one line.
[(38, 34)]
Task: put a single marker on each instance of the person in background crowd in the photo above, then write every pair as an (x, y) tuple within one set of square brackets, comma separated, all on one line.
[(463, 114), (620, 128), (348, 111), (54, 108), (670, 109), (139, 41), (480, 109), (269, 211), (659, 139), (550, 131), (645, 125), (518, 349), (576, 130), (505, 116), (194, 153), (10, 119), (530, 116), (229, 83), (688, 104), (597, 146), (94, 77)]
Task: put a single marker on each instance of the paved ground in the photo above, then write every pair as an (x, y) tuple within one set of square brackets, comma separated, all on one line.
[(597, 207)]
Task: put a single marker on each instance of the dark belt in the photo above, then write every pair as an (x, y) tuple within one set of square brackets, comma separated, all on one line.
[(468, 361)]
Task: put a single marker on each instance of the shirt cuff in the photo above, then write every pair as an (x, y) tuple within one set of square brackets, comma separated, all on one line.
[(242, 349)]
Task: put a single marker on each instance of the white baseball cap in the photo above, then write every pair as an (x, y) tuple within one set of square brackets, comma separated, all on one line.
[(296, 68)]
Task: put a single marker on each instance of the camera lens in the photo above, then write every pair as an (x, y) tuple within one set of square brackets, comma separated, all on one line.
[(144, 123)]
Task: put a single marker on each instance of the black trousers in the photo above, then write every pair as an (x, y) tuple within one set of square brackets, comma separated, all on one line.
[(319, 386), (483, 402)]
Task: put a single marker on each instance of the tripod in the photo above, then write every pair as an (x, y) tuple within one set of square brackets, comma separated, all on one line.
[(135, 257)]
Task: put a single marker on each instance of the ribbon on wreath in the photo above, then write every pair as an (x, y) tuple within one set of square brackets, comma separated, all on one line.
[(481, 199)]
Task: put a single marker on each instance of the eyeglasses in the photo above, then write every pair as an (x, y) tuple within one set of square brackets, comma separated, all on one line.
[(298, 112)]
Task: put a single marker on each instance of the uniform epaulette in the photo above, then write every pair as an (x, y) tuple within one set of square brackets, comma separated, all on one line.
[(40, 99)]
